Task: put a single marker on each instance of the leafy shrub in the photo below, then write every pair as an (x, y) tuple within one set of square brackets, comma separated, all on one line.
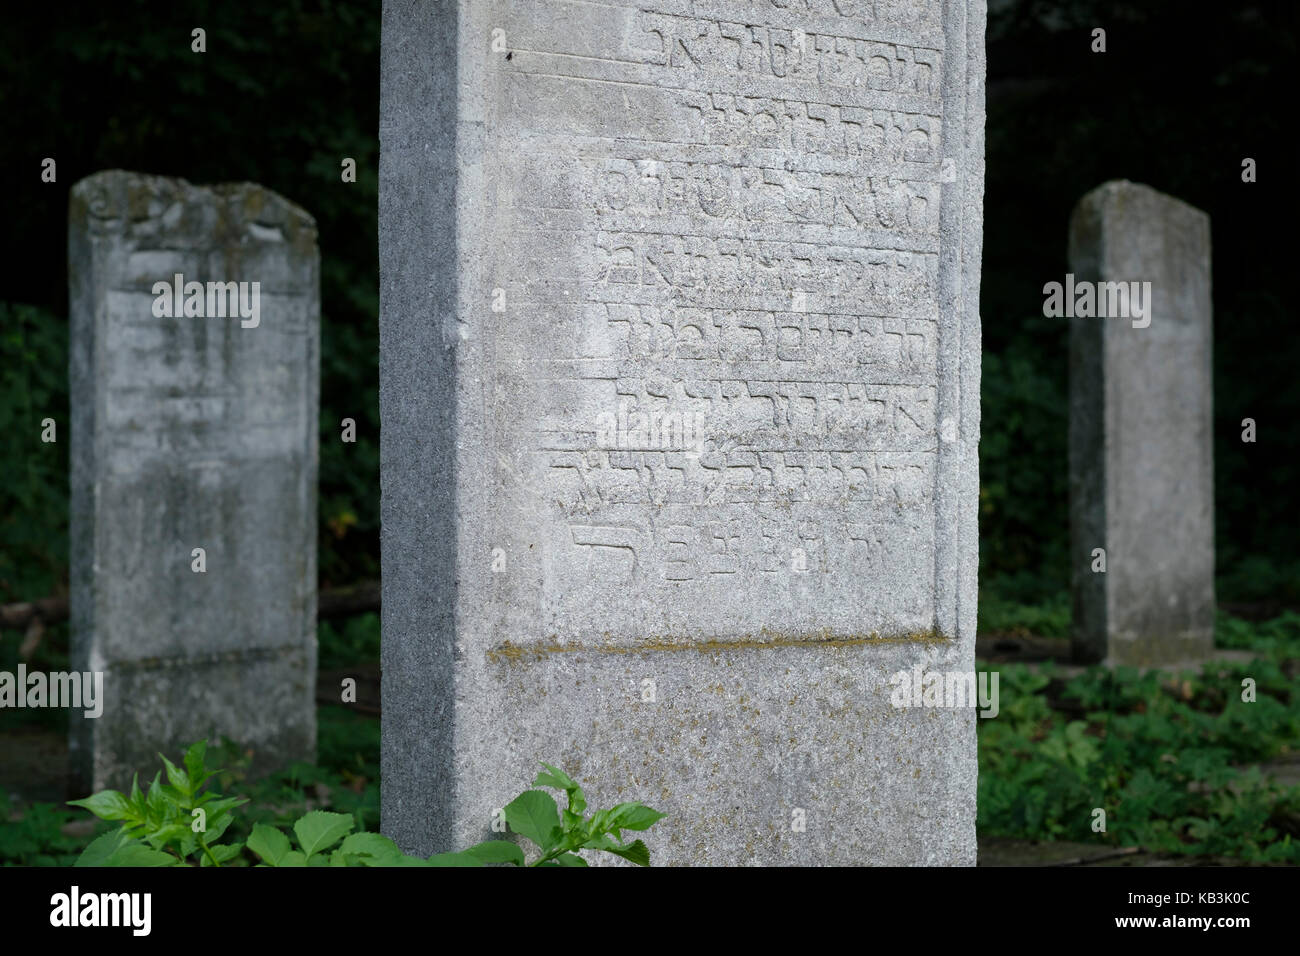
[(177, 824), (1166, 756), (36, 837)]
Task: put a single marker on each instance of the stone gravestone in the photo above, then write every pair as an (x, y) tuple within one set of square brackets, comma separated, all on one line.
[(194, 368), (1141, 441), (680, 397)]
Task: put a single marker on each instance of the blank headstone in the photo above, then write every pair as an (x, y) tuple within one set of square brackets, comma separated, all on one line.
[(598, 220), (1141, 441), (192, 432)]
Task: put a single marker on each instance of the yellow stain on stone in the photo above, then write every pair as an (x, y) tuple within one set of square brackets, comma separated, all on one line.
[(512, 653)]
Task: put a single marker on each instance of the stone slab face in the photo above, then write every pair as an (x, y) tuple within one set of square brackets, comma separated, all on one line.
[(1141, 440), (680, 400), (192, 432)]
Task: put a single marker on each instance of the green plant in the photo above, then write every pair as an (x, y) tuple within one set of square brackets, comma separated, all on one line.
[(167, 825), (1173, 758), (34, 836), (534, 814), (176, 824)]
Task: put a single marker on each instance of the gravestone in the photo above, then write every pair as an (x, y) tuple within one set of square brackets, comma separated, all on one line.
[(194, 426), (679, 382), (1141, 441)]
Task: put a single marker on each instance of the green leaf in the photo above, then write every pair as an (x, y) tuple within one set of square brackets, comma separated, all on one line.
[(636, 851), (557, 778), (136, 799), (137, 854), (453, 859), (533, 814), (221, 853), (107, 805), (633, 816), (570, 859), (172, 832), (156, 802), (497, 851), (101, 848), (370, 849), (216, 827), (599, 823), (293, 858), (320, 830), (177, 777), (214, 805), (270, 844), (194, 758)]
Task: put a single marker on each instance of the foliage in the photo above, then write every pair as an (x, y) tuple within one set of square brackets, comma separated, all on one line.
[(1162, 755), (36, 838), (1278, 638), (344, 779), (535, 815), (1023, 503), (300, 77), (176, 824), (34, 489), (1168, 759), (170, 823), (349, 641), (1001, 613)]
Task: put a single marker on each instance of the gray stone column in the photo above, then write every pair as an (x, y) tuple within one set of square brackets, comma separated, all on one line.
[(194, 369), (1141, 420), (680, 394)]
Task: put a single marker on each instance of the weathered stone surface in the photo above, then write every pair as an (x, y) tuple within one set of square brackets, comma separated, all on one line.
[(192, 432), (769, 227), (1141, 441)]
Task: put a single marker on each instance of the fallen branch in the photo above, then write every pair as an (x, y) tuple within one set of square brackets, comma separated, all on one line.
[(346, 602), (31, 639), (20, 616), (370, 710), (1085, 860)]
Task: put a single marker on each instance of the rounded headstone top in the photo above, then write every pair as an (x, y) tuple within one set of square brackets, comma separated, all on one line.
[(163, 208)]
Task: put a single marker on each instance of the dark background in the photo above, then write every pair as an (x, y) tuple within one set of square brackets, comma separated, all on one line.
[(1182, 94)]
